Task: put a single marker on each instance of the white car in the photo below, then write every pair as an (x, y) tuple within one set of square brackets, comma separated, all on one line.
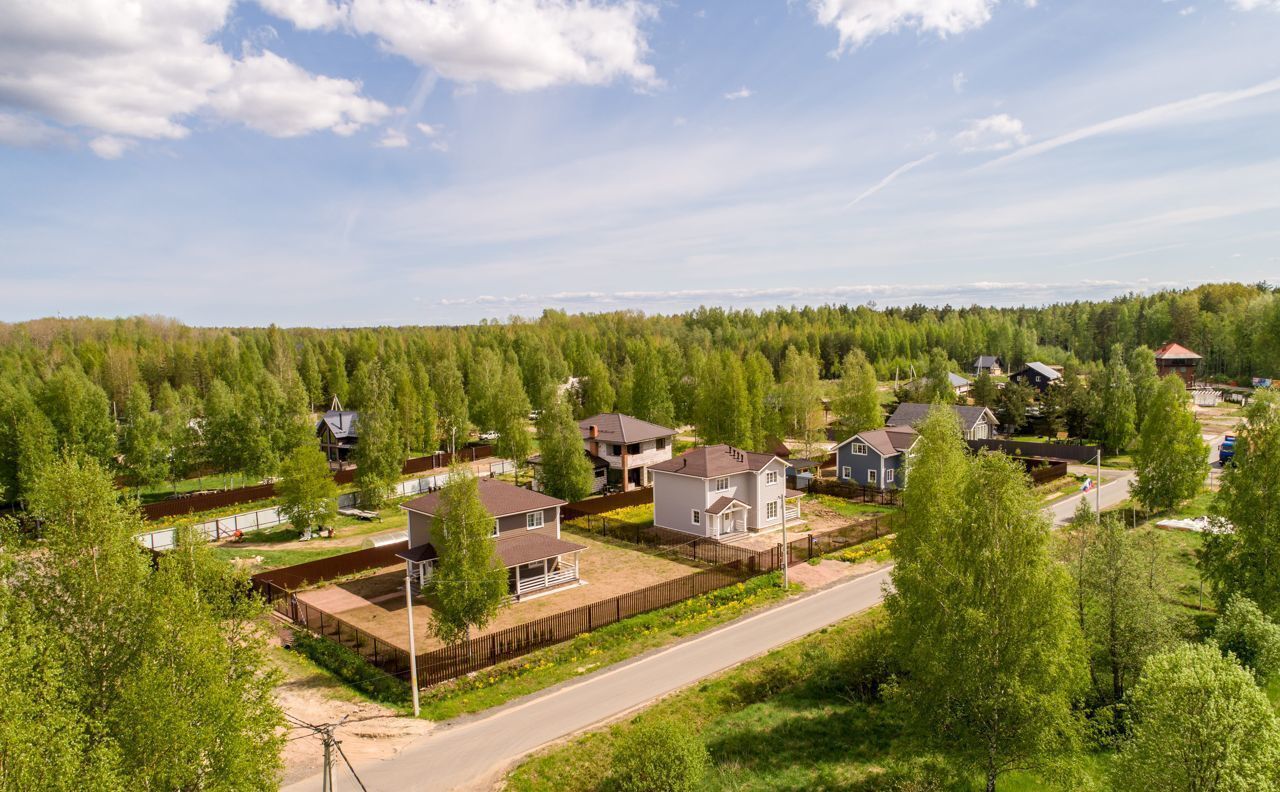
[(489, 437)]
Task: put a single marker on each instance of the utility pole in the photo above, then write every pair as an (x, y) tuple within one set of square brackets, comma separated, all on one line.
[(786, 548), (1097, 498), (413, 654)]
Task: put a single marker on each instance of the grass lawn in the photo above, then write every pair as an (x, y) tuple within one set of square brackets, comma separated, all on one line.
[(848, 508), (257, 559), (605, 646), (216, 481), (784, 721)]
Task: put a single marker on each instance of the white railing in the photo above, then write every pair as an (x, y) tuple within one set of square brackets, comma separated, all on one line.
[(793, 512), (535, 582)]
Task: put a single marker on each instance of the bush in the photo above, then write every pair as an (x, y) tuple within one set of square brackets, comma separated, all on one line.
[(659, 755), (923, 774), (869, 664), (351, 668), (1245, 631)]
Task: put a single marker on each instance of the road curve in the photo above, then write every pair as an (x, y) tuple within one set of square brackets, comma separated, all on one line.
[(471, 753)]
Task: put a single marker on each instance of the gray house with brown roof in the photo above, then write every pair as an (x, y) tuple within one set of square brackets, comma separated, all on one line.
[(526, 537), (876, 458), (721, 492), (629, 446), (977, 422)]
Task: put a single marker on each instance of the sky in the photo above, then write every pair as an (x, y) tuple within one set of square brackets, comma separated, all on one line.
[(388, 162)]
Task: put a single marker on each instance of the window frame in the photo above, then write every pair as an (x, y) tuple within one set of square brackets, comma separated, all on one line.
[(660, 443), (715, 484), (846, 472), (770, 477), (771, 510), (697, 517), (872, 475), (529, 517), (497, 529), (888, 476), (853, 449)]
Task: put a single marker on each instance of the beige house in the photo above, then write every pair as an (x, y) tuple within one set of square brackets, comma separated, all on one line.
[(526, 537), (629, 446), (721, 492)]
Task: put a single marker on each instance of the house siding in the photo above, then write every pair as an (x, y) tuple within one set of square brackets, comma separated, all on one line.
[(674, 499), (649, 454), (420, 525), (676, 496), (860, 464)]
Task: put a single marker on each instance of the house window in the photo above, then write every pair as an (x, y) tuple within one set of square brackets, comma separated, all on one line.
[(533, 520), (617, 450), (888, 476), (495, 530), (697, 517), (634, 448), (871, 477), (771, 510), (859, 449), (660, 443), (846, 472), (771, 477), (722, 484)]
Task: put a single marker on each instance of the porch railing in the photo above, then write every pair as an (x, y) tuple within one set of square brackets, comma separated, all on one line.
[(547, 580)]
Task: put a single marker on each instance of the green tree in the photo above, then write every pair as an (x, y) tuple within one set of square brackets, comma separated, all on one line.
[(723, 411), (484, 388), (1117, 424), (1015, 400), (451, 402), (985, 391), (1145, 378), (470, 582), (980, 612), (511, 413), (766, 421), (1247, 560), (379, 454), (142, 442), (33, 442), (935, 383), (1246, 632), (651, 393), (1172, 459), (308, 496), (80, 414), (565, 471), (800, 398), (594, 387), (857, 399), (1200, 724)]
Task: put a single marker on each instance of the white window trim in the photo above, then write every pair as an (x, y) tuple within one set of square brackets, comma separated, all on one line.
[(697, 517), (534, 519), (496, 530), (853, 449), (846, 472), (771, 477), (871, 476), (717, 486), (771, 510), (888, 476)]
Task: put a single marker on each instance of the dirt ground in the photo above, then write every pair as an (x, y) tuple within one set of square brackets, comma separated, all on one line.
[(371, 731), (828, 571), (375, 603), (814, 519)]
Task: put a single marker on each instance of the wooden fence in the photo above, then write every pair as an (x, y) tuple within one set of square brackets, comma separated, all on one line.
[(607, 503), (1053, 471), (204, 501), (1021, 448), (294, 577)]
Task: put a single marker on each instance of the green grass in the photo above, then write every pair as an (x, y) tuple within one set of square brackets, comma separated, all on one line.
[(784, 721), (216, 481), (605, 646), (847, 508), (274, 559)]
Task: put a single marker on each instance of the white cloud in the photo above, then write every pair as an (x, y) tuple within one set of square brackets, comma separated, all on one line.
[(958, 81), (859, 21), (439, 145), (518, 45), (1160, 115), (27, 132), (887, 180), (1250, 5), (742, 93), (393, 138), (109, 146), (428, 129), (142, 70), (993, 133), (272, 95)]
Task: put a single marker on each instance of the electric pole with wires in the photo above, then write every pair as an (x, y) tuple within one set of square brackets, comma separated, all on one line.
[(332, 745)]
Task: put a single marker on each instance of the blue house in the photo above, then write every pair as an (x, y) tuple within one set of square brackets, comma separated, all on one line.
[(876, 458)]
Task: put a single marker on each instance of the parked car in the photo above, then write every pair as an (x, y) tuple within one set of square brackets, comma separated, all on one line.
[(1227, 451), (489, 436)]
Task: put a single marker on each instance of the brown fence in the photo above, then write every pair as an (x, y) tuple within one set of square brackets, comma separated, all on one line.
[(204, 501), (661, 541), (814, 545), (856, 492), (296, 576), (607, 503), (1020, 448), (1044, 473)]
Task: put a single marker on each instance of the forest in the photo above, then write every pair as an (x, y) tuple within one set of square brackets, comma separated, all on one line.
[(158, 401)]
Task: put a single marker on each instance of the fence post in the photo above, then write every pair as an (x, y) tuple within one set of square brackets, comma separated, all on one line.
[(810, 546)]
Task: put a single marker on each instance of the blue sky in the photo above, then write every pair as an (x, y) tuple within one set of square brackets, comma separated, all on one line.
[(404, 162)]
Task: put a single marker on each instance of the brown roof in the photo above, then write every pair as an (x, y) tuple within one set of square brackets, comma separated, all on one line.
[(713, 461), (722, 503), (796, 493), (499, 498), (525, 548), (522, 548), (620, 428), (1172, 351), (888, 442), (596, 462)]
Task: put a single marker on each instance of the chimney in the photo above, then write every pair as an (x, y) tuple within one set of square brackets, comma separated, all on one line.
[(593, 430)]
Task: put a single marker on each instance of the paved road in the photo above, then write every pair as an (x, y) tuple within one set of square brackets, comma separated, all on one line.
[(471, 754), (1110, 493)]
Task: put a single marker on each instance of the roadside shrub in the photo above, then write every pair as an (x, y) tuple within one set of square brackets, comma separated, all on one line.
[(922, 774), (659, 755), (869, 665), (1246, 632), (351, 668)]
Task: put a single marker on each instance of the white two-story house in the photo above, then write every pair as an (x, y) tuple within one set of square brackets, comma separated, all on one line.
[(628, 445), (720, 492)]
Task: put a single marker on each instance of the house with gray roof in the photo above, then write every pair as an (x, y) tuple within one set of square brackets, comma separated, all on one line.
[(1036, 375), (976, 422), (337, 432), (876, 458), (628, 445), (989, 364), (722, 492), (525, 534)]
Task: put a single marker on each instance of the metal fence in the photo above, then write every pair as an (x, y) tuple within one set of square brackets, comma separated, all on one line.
[(607, 503), (811, 546), (855, 492)]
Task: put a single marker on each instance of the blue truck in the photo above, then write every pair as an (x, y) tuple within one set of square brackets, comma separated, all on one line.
[(1227, 451)]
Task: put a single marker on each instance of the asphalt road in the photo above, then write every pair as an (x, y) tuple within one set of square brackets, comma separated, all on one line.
[(472, 754)]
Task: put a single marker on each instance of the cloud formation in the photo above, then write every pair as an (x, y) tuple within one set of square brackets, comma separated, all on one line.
[(993, 133), (887, 180), (742, 93), (859, 21)]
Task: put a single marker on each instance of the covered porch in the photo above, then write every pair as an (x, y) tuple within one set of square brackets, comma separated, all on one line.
[(534, 563), (727, 516), (791, 504)]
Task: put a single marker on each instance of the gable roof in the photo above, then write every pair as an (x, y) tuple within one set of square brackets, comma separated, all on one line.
[(957, 381), (499, 498), (622, 428), (596, 462), (714, 461), (342, 423), (521, 548), (911, 413), (1040, 369), (723, 503), (887, 442), (1172, 351), (986, 361)]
